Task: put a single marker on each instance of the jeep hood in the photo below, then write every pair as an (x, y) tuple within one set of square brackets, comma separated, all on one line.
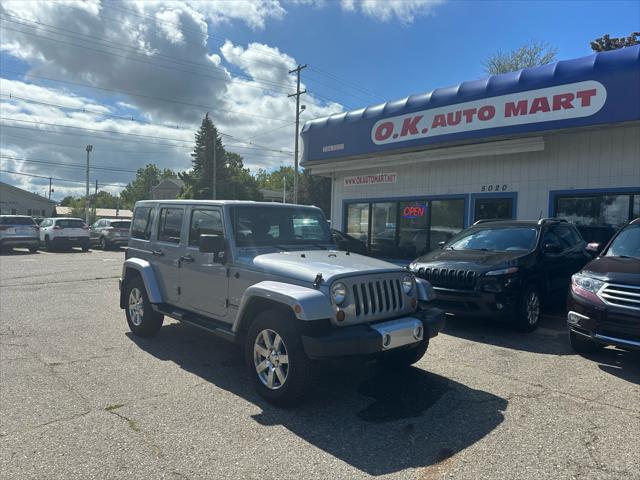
[(305, 265)]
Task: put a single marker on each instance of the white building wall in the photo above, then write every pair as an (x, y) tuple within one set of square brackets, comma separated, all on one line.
[(14, 200), (606, 157)]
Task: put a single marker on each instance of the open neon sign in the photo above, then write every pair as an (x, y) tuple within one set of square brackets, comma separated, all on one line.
[(414, 211)]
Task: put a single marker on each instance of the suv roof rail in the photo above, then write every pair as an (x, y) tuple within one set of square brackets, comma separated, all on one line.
[(552, 220), (486, 220)]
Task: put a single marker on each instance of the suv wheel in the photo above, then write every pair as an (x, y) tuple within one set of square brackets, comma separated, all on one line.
[(104, 245), (405, 357), (47, 244), (33, 249), (529, 310), (143, 320), (582, 344), (279, 369)]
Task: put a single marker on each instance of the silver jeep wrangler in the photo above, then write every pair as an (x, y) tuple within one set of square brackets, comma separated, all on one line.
[(268, 277)]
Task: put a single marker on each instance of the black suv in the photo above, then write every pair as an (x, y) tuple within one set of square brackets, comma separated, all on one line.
[(504, 269), (603, 307)]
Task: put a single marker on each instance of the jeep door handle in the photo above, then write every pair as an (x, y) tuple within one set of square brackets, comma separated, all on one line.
[(158, 253), (187, 258)]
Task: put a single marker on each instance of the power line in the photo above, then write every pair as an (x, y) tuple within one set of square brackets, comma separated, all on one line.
[(119, 185), (124, 92), (100, 41), (64, 164)]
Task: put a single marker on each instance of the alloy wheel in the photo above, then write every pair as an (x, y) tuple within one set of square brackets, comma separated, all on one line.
[(136, 306), (271, 359), (533, 308)]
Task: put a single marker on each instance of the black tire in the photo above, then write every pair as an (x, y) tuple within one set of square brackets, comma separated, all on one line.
[(404, 358), (104, 245), (582, 344), (149, 321), (299, 368), (47, 244), (85, 248), (33, 249), (528, 316)]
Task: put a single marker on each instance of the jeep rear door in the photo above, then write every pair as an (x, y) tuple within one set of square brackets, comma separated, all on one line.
[(203, 276), (167, 251)]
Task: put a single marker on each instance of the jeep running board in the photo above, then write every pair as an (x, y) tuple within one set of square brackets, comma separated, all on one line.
[(216, 327)]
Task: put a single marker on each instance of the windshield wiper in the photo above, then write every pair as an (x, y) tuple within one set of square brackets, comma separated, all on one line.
[(280, 247)]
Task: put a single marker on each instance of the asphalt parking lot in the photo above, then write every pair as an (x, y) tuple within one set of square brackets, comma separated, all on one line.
[(80, 397)]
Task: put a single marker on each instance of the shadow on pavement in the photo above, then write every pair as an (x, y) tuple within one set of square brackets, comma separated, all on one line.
[(624, 364), (549, 338), (376, 420)]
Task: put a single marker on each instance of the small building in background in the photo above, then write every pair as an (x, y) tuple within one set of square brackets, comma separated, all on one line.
[(167, 189), (61, 211), (273, 195), (16, 201)]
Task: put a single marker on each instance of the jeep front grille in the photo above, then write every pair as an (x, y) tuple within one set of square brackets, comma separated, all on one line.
[(625, 296), (449, 277), (380, 296)]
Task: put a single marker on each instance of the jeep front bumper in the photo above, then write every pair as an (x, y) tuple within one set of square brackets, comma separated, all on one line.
[(375, 338)]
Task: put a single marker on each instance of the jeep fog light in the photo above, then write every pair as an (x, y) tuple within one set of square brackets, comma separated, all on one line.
[(417, 332), (339, 293)]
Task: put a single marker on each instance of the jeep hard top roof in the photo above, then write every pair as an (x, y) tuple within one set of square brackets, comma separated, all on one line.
[(248, 203)]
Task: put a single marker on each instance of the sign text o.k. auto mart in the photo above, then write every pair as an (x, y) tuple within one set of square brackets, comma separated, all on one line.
[(373, 179), (599, 89)]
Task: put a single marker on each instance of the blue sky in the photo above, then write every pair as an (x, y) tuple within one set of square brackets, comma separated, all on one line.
[(394, 48), (437, 50)]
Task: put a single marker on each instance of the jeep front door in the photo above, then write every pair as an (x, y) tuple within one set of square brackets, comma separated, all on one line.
[(203, 276)]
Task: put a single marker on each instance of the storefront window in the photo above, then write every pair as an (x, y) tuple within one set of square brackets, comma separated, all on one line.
[(358, 221), (493, 209), (602, 210), (447, 219), (383, 229), (598, 216), (414, 229)]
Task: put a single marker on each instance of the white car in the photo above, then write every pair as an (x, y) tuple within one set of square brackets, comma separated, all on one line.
[(64, 232)]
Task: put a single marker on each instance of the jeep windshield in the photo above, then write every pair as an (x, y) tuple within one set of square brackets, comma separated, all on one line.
[(626, 244), (496, 239), (280, 226)]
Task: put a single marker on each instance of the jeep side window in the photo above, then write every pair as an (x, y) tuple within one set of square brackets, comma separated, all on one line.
[(204, 222), (141, 224), (170, 225)]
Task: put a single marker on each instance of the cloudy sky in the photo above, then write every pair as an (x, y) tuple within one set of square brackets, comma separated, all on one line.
[(135, 78)]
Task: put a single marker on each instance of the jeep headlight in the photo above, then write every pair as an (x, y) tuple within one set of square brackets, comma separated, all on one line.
[(407, 284), (339, 293)]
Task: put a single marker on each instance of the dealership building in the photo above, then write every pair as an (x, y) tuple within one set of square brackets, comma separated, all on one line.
[(560, 140)]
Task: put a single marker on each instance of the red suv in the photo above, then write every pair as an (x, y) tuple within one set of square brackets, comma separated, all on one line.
[(603, 307)]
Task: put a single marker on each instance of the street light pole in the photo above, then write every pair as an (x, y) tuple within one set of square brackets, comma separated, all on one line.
[(86, 201)]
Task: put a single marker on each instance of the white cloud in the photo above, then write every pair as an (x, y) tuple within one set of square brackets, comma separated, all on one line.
[(405, 11)]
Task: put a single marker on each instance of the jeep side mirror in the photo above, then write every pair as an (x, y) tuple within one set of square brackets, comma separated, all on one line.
[(552, 248), (210, 243), (594, 248), (441, 244)]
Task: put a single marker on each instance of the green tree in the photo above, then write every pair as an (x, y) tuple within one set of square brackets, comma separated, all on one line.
[(140, 187), (529, 55), (233, 180), (275, 179), (606, 43), (315, 190)]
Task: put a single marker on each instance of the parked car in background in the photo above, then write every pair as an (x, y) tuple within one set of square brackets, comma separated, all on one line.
[(603, 306), (267, 276), (505, 269), (63, 232), (18, 231), (348, 243), (109, 233)]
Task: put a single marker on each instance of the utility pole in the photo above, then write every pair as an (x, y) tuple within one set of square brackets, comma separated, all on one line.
[(284, 190), (49, 188), (215, 166), (86, 200), (298, 112), (95, 200)]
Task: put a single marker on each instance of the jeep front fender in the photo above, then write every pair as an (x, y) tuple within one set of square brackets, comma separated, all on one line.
[(145, 270), (305, 303)]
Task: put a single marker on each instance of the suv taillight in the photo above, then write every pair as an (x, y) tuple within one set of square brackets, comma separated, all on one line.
[(4, 227)]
